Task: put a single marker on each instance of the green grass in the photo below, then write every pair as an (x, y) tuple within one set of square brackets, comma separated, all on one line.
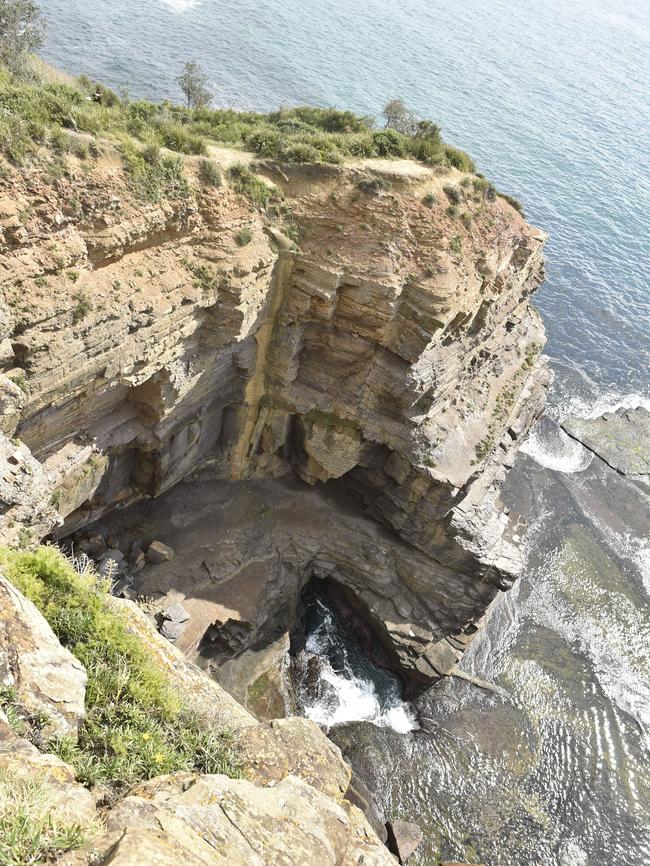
[(243, 237), (251, 187), (136, 726), (33, 113), (33, 828)]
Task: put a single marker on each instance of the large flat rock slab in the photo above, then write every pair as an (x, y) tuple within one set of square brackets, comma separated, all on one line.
[(621, 439)]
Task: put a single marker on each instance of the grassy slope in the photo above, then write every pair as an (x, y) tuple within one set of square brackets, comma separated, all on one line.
[(136, 727)]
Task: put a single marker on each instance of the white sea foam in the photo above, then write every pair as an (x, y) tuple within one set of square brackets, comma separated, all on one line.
[(180, 5), (356, 700), (553, 449), (610, 402)]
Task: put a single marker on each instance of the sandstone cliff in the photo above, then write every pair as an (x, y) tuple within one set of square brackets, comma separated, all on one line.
[(355, 331)]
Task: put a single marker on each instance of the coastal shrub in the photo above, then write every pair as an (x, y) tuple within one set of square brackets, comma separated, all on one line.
[(459, 159), (82, 308), (303, 134), (179, 138), (15, 141), (513, 202), (243, 237), (209, 173), (452, 193), (388, 142), (153, 181), (374, 186), (247, 184), (136, 726)]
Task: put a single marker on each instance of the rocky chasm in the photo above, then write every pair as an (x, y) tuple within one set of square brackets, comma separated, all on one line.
[(334, 385)]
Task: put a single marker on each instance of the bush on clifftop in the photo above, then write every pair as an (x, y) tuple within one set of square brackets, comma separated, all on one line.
[(31, 113)]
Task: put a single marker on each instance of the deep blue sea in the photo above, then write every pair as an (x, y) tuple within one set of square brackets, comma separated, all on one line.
[(552, 99)]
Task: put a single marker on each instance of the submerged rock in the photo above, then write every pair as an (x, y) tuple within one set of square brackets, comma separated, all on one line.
[(621, 439)]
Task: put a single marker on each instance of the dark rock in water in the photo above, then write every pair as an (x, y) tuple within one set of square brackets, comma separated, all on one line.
[(403, 838), (621, 439)]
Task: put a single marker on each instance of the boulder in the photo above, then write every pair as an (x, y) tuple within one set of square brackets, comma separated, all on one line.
[(403, 838), (26, 511), (159, 553), (176, 613), (47, 678), (96, 545), (172, 630), (294, 746)]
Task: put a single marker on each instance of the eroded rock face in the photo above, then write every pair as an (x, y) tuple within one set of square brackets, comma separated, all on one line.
[(47, 678), (394, 357)]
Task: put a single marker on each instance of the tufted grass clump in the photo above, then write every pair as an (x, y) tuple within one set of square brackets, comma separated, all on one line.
[(154, 177), (243, 237), (209, 173), (34, 828), (136, 726), (251, 187)]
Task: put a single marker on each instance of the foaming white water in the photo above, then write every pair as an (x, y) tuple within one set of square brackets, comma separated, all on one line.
[(356, 700), (553, 449), (180, 5), (610, 402)]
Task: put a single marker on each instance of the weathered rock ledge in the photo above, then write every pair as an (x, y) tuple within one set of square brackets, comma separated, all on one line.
[(392, 356), (288, 807)]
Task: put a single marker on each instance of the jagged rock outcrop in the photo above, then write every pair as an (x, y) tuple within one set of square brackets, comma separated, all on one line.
[(392, 356), (46, 678), (213, 820)]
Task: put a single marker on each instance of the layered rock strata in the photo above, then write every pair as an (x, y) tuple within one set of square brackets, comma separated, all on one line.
[(390, 353)]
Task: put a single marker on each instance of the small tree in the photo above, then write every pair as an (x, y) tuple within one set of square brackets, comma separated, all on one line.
[(399, 117), (193, 82), (21, 33)]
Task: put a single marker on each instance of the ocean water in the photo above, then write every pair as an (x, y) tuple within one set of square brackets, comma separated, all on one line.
[(552, 99)]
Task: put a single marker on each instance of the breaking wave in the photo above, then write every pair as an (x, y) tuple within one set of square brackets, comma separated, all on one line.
[(553, 449)]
